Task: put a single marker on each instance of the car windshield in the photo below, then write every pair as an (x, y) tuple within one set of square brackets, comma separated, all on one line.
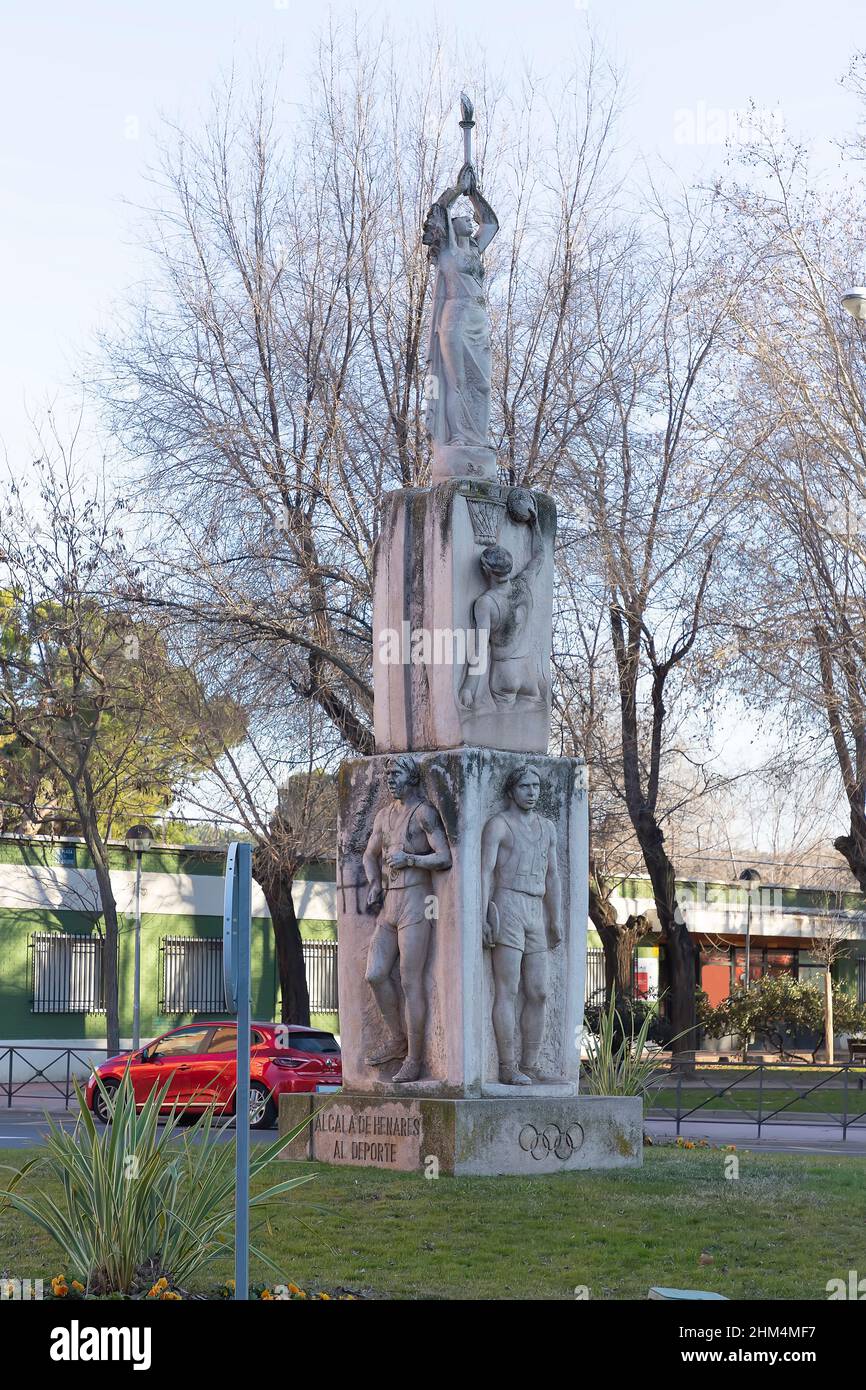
[(314, 1042), (176, 1044)]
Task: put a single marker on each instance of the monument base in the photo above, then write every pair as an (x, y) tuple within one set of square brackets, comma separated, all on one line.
[(463, 461), (482, 1137)]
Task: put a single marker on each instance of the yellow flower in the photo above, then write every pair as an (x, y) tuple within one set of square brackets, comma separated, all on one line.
[(293, 1288), (230, 1284), (266, 1293), (301, 1293), (689, 1144), (59, 1286), (161, 1283), (79, 1288), (326, 1296)]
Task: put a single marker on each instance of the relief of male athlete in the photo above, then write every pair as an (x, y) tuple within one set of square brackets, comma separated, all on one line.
[(521, 909), (504, 611), (408, 841)]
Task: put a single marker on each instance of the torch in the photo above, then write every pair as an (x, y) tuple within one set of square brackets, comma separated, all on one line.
[(467, 111)]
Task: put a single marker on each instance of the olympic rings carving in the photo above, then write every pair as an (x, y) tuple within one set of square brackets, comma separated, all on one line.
[(540, 1144)]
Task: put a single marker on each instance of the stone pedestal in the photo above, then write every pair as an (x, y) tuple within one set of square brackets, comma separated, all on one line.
[(462, 461), (466, 789), (428, 578), (528, 1135)]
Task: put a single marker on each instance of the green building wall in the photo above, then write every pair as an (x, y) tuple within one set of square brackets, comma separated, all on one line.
[(17, 926)]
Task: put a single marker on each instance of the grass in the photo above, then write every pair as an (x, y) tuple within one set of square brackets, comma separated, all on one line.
[(823, 1101), (786, 1226)]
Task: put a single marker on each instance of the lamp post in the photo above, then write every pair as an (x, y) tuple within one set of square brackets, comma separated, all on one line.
[(854, 301), (750, 877), (138, 839)]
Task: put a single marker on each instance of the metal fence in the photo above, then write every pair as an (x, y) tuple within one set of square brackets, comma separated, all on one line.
[(320, 963), (594, 989), (760, 1094), (65, 1063)]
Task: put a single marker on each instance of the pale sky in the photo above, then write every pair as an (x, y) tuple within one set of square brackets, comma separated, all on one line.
[(84, 83)]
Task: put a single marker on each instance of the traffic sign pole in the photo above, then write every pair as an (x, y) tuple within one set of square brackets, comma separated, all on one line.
[(237, 915)]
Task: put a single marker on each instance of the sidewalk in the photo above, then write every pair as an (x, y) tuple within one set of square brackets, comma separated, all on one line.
[(776, 1137), (37, 1097)]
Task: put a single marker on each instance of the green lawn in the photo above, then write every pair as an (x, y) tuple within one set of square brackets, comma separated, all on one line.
[(825, 1100), (786, 1226)]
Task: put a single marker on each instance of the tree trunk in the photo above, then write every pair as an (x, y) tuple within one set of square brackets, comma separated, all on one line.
[(853, 847), (828, 1015), (110, 942), (616, 943), (682, 950), (294, 994)]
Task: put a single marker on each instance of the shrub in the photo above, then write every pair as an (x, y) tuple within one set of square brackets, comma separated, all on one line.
[(615, 1065), (777, 1005), (135, 1201)]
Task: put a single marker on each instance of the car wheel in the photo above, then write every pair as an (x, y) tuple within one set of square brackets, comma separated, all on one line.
[(263, 1112), (100, 1106)]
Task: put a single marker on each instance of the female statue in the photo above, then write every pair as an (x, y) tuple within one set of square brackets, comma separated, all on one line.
[(457, 392)]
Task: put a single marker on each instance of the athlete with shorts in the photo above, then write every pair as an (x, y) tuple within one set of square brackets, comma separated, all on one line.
[(521, 901), (407, 842)]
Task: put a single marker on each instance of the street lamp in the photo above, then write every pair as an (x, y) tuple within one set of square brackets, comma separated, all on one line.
[(854, 301), (138, 839), (750, 877)]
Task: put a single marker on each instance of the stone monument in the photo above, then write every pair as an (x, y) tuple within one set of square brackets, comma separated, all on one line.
[(462, 859)]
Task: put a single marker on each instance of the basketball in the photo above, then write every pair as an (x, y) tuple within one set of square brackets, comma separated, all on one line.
[(521, 504)]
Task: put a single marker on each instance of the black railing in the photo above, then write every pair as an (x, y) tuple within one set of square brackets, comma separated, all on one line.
[(320, 963), (66, 973), (595, 988), (72, 1061), (191, 975), (761, 1093)]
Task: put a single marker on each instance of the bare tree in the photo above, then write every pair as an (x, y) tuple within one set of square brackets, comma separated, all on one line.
[(803, 398), (658, 481), (270, 381)]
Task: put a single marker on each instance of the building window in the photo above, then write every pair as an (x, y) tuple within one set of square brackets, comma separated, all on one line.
[(320, 964), (191, 975), (67, 974), (765, 960)]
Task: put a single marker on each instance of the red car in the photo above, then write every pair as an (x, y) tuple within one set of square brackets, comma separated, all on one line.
[(199, 1061)]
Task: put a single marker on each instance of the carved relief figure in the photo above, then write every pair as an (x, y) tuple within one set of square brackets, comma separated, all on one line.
[(408, 840), (457, 398), (504, 610), (521, 905)]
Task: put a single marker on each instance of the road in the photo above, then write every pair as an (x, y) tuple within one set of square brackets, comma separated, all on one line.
[(26, 1129)]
